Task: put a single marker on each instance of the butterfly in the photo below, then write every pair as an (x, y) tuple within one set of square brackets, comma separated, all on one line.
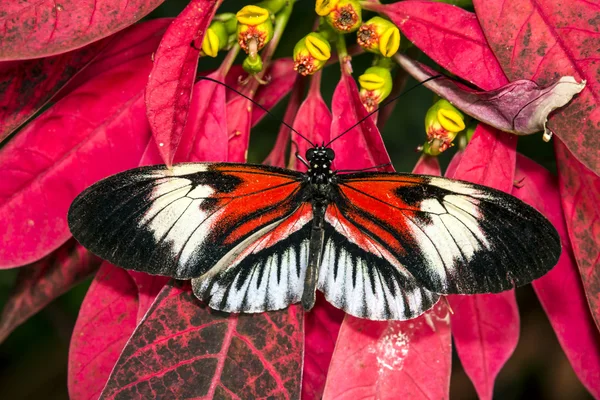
[(254, 238)]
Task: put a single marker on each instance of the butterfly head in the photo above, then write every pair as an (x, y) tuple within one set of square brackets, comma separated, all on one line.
[(319, 159)]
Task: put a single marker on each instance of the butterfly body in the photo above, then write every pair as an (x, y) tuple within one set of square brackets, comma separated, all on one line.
[(254, 238)]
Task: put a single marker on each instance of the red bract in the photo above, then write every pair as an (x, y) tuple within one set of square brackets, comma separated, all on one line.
[(45, 28), (281, 77), (97, 130), (182, 349), (541, 39), (427, 165), (28, 85), (560, 291), (392, 360), (486, 326), (169, 88), (41, 282), (277, 155), (313, 121), (364, 139), (106, 320)]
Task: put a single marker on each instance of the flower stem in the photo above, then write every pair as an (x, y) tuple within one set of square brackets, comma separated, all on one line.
[(343, 57), (229, 59)]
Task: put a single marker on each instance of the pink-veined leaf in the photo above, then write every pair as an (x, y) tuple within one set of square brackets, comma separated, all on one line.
[(27, 85), (277, 155), (485, 327), (321, 328), (392, 360), (169, 88), (138, 40), (364, 139), (44, 28), (520, 107), (148, 287), (560, 291), (182, 349), (106, 320), (580, 195), (451, 36), (43, 281), (97, 130), (313, 121), (543, 39)]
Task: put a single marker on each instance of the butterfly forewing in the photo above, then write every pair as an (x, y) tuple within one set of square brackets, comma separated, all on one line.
[(180, 222), (451, 236)]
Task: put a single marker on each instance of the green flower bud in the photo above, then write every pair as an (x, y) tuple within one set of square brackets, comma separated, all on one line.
[(443, 122), (379, 36), (343, 15), (253, 65), (230, 21), (254, 29), (375, 86), (311, 53), (215, 39)]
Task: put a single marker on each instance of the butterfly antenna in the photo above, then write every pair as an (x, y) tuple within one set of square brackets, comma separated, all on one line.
[(206, 78), (385, 103)]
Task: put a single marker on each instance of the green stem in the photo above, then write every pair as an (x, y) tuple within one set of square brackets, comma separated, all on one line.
[(229, 59), (343, 57)]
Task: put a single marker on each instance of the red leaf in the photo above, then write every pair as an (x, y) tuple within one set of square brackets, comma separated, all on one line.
[(580, 193), (485, 329), (46, 28), (486, 326), (322, 325), (43, 281), (427, 165), (392, 360), (281, 80), (106, 320), (560, 291), (138, 40), (169, 89), (365, 140), (182, 349), (277, 155), (204, 137), (454, 163), (313, 121), (543, 39), (28, 85), (451, 36), (97, 130)]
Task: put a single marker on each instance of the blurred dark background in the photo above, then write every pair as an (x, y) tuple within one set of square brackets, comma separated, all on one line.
[(33, 360)]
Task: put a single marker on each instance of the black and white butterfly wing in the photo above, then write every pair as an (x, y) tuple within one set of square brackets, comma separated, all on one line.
[(180, 222), (453, 237)]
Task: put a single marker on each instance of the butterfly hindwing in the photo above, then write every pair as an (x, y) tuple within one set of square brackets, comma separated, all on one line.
[(365, 280), (452, 236), (179, 222), (265, 272)]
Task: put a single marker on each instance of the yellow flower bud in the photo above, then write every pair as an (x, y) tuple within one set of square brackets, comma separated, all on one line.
[(443, 122), (324, 7), (215, 39), (311, 53), (375, 86), (379, 36), (254, 29)]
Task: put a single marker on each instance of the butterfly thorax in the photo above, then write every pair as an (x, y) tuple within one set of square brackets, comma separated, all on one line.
[(319, 159)]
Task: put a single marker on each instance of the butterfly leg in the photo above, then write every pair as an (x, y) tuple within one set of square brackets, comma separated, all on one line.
[(315, 254)]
